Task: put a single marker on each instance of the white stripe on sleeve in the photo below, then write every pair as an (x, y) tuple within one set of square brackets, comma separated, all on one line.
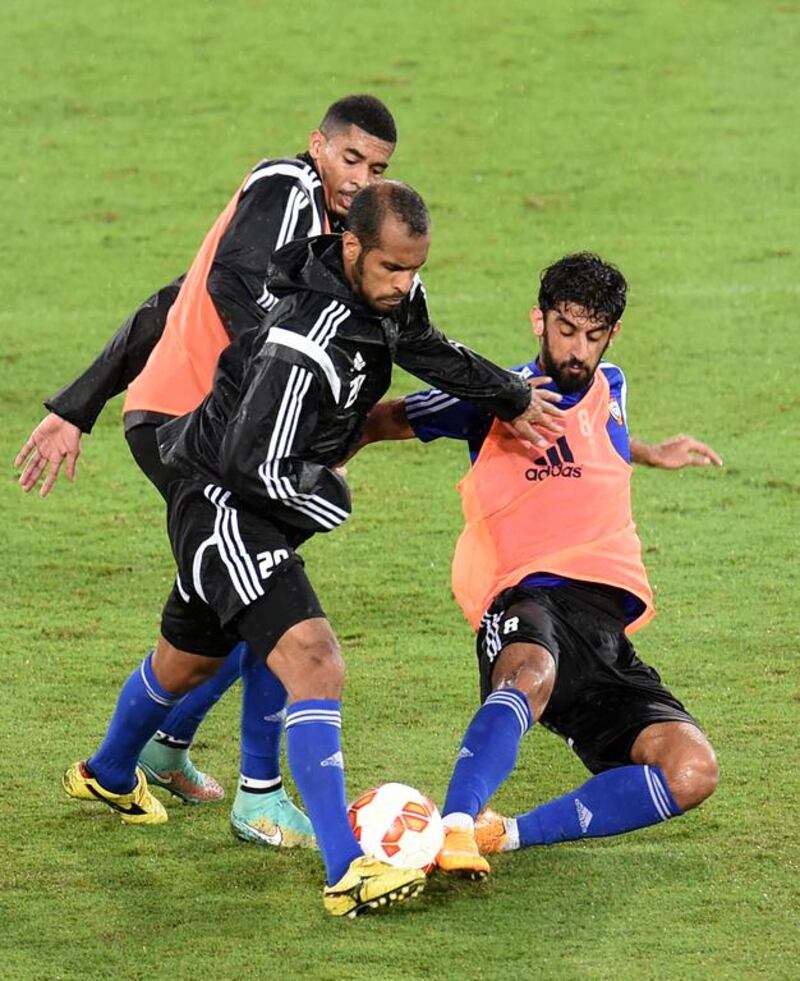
[(415, 410), (312, 350)]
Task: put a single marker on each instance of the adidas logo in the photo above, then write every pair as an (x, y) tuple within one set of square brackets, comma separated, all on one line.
[(358, 361), (336, 760), (276, 716), (557, 461), (464, 753), (584, 815)]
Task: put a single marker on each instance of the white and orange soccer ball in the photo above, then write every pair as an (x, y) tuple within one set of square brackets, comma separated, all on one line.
[(399, 825)]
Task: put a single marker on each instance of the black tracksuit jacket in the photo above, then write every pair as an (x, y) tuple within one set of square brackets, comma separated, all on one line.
[(291, 397)]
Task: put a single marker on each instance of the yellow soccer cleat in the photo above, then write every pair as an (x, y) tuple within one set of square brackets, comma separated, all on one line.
[(370, 884), (136, 807), (460, 855), (490, 833)]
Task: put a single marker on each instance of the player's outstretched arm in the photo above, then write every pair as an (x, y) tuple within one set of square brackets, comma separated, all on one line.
[(52, 443), (75, 408), (674, 453)]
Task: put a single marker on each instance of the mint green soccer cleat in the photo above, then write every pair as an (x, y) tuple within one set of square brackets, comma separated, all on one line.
[(172, 769), (271, 819)]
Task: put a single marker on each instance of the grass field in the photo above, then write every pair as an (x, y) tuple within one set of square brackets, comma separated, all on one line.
[(663, 136)]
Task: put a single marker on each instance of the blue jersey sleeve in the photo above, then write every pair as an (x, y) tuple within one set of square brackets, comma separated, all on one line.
[(433, 414)]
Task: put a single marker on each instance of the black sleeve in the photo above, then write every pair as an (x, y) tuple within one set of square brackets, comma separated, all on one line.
[(424, 351), (120, 361), (264, 452), (270, 213)]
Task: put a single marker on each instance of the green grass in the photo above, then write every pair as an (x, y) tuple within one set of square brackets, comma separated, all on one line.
[(663, 136)]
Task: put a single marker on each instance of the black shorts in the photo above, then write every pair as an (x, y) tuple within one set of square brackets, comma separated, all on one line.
[(239, 577), (143, 445), (603, 695)]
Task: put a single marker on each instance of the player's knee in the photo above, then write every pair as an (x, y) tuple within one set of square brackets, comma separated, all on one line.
[(309, 662), (179, 671), (694, 777), (199, 673), (324, 662), (530, 669)]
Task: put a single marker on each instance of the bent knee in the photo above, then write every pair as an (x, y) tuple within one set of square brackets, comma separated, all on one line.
[(694, 778), (321, 661), (530, 669), (309, 662), (179, 671), (325, 661)]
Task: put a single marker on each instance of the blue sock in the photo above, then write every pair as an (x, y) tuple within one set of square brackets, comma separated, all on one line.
[(263, 704), (618, 800), (488, 752), (315, 756), (141, 708), (181, 724)]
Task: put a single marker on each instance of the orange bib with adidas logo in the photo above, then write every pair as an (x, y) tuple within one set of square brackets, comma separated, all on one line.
[(566, 512)]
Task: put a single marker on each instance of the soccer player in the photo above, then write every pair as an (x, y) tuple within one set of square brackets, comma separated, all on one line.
[(253, 476), (548, 571), (165, 356), (224, 295)]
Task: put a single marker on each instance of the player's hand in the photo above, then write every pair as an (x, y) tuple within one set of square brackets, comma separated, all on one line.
[(53, 442), (681, 451), (542, 413)]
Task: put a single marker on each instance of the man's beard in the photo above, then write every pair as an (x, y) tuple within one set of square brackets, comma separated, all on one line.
[(379, 304), (566, 382)]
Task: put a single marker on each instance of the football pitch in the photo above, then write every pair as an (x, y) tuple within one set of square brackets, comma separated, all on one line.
[(665, 137)]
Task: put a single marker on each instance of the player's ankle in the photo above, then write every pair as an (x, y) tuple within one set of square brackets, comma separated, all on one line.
[(511, 843), (458, 821)]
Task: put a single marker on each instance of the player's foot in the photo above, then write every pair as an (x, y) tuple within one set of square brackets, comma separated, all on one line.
[(172, 769), (136, 807), (370, 884), (460, 856), (271, 819), (491, 833)]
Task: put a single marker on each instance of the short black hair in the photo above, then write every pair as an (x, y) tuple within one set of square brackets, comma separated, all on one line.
[(372, 205), (364, 111), (587, 281)]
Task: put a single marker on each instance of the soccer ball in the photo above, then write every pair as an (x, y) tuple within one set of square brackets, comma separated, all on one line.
[(398, 825)]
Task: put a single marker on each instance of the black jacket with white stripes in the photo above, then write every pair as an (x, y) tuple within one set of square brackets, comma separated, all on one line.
[(282, 200), (290, 398)]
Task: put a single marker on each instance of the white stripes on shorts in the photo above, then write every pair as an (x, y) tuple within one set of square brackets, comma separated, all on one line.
[(491, 638), (227, 539)]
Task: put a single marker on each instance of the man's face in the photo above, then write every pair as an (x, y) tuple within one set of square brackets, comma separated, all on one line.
[(572, 344), (347, 161), (383, 276)]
